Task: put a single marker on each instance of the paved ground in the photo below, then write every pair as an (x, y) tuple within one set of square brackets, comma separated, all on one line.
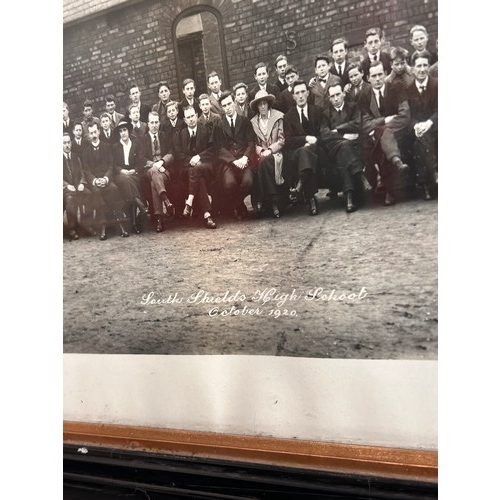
[(382, 260)]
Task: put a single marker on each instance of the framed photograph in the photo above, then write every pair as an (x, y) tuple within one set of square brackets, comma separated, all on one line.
[(306, 339)]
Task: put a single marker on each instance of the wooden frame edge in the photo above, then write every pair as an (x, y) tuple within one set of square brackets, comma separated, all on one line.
[(416, 465)]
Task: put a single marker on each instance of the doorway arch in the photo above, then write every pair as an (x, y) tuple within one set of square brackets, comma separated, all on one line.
[(199, 46)]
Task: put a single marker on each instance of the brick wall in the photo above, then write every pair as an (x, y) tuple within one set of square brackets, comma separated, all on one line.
[(134, 41)]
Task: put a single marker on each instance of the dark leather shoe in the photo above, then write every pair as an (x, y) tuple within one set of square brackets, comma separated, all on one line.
[(276, 211), (241, 211), (124, 234), (103, 235), (209, 223), (135, 229), (313, 206), (389, 200), (258, 210), (188, 211), (73, 235), (350, 206), (169, 208), (159, 225), (425, 193), (294, 196)]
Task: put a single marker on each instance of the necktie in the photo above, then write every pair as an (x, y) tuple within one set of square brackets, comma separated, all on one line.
[(381, 106), (304, 120), (422, 89), (155, 144), (322, 80), (68, 163), (375, 57), (192, 143), (232, 126), (339, 70)]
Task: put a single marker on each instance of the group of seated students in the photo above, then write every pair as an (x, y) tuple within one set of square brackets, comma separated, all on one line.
[(354, 127)]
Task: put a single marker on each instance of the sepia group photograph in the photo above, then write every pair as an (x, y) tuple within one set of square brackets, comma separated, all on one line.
[(251, 178)]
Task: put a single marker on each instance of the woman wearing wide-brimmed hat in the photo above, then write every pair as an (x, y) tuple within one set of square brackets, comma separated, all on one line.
[(268, 126)]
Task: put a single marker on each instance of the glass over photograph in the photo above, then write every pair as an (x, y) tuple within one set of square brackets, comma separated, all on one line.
[(251, 178)]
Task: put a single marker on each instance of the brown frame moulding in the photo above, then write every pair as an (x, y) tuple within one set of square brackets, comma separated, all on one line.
[(397, 463)]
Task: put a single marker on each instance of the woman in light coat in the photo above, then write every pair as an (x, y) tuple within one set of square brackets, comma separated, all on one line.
[(268, 127)]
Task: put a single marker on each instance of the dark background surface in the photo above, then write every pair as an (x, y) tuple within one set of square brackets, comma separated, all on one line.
[(107, 474)]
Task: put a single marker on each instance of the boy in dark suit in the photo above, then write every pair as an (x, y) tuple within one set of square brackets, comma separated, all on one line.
[(419, 40), (234, 143), (116, 117), (423, 126), (356, 83), (339, 134), (161, 106), (207, 117), (373, 41), (188, 89), (261, 75), (194, 157), (285, 101), (340, 63), (135, 98), (106, 128), (214, 84), (281, 65), (318, 85), (139, 128), (78, 142), (400, 72)]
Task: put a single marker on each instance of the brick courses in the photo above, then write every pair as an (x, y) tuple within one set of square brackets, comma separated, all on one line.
[(109, 44)]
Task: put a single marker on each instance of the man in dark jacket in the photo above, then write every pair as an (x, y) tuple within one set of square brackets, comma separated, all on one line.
[(156, 158), (194, 158), (385, 113), (339, 134), (75, 191), (302, 127), (234, 143), (97, 159), (423, 126)]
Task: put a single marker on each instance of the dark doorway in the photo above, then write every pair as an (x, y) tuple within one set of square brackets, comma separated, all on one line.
[(192, 60), (199, 46)]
